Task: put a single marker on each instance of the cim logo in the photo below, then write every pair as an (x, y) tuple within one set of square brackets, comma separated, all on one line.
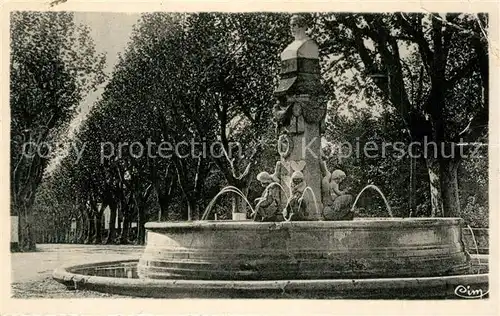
[(467, 292)]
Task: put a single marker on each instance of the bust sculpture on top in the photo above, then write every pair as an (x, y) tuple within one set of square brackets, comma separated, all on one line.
[(300, 82), (299, 115)]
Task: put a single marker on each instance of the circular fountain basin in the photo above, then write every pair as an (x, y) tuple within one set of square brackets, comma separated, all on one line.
[(121, 278), (313, 250)]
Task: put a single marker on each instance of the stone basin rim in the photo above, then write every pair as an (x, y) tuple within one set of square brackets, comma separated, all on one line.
[(365, 222), (65, 274)]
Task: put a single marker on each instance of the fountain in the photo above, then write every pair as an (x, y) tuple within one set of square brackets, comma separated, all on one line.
[(293, 245)]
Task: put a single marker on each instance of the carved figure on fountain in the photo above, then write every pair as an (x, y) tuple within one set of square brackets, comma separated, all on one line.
[(297, 206), (337, 203), (268, 208), (268, 204), (326, 195)]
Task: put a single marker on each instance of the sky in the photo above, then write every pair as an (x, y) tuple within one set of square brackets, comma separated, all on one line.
[(111, 32)]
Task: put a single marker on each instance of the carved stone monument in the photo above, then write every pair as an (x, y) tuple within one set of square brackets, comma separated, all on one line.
[(299, 115)]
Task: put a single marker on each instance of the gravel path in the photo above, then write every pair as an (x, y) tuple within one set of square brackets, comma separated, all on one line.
[(32, 272)]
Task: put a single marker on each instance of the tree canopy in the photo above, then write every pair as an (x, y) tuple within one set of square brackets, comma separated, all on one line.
[(209, 78), (53, 65)]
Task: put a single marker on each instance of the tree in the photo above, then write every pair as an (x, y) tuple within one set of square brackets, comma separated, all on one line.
[(53, 65), (384, 166), (209, 78), (240, 58), (449, 102), (193, 77)]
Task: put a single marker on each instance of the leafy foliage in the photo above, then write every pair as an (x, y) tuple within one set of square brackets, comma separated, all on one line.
[(53, 65), (209, 78), (433, 70)]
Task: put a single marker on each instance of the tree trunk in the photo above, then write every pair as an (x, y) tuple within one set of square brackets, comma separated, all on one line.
[(98, 228), (120, 225), (112, 223), (25, 230), (164, 203), (83, 229), (434, 171), (125, 229), (90, 230), (444, 186), (189, 192), (195, 214), (160, 211), (449, 187), (164, 196), (164, 199), (141, 231), (187, 214), (413, 186)]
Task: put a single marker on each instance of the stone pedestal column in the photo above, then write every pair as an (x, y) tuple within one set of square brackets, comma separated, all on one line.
[(300, 150), (299, 116)]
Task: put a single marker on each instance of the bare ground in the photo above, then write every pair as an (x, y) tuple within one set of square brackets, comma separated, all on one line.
[(32, 272)]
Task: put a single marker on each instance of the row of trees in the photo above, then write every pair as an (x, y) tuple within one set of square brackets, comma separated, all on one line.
[(209, 77), (53, 65)]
